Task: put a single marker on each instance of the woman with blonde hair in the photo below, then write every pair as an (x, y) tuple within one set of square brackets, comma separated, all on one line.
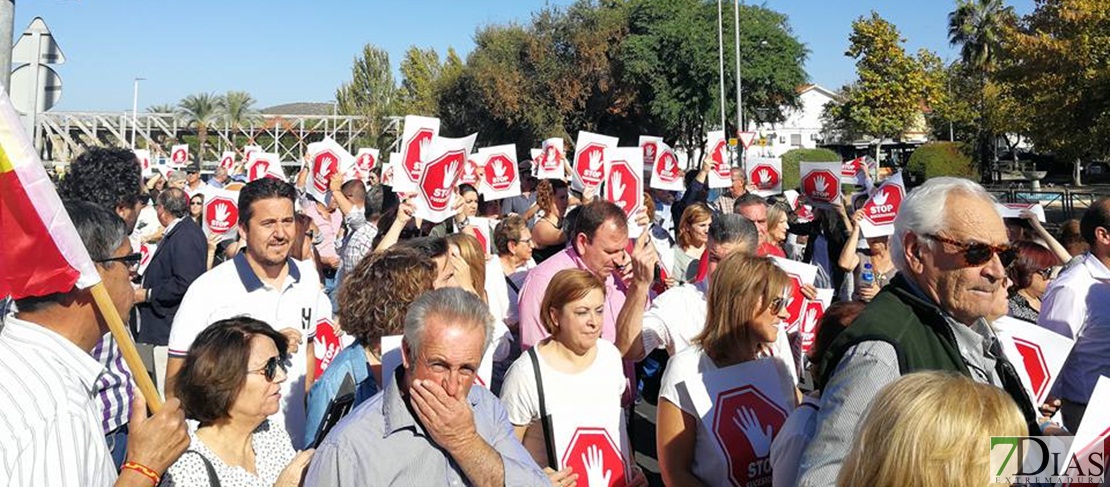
[(745, 304), (469, 259), (693, 234), (930, 429)]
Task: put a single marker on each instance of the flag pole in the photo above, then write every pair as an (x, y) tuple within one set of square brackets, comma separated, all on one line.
[(108, 310)]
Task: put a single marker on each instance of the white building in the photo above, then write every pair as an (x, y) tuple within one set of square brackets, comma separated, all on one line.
[(802, 128)]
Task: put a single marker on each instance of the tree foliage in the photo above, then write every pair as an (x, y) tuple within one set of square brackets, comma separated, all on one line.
[(200, 110), (792, 159), (237, 108), (940, 159), (372, 92)]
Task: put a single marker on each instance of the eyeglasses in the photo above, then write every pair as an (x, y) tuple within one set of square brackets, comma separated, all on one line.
[(977, 253), (777, 305), (316, 236), (1049, 273), (269, 371), (196, 203), (130, 260)]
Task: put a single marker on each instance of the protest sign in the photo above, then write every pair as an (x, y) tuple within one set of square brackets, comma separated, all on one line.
[(147, 251), (625, 183), (821, 182), (592, 441), (854, 171), (1037, 353), (227, 160), (765, 173), (143, 156), (501, 179), (326, 159), (666, 173), (813, 312), (483, 231), (249, 149), (1013, 210), (591, 159), (436, 189), (744, 407), (326, 345), (882, 208), (390, 168), (179, 156), (649, 144), (1091, 444), (221, 211), (470, 171), (415, 143), (264, 165), (716, 148), (365, 161), (796, 303), (550, 162)]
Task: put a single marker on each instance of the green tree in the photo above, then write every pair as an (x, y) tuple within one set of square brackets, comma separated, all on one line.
[(200, 110), (939, 159), (372, 93), (792, 168), (237, 108), (892, 88), (1057, 74), (420, 71)]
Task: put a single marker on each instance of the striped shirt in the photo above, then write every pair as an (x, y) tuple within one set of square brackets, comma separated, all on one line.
[(115, 386), (50, 430)]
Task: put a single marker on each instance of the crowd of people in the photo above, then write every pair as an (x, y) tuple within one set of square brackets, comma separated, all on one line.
[(462, 353)]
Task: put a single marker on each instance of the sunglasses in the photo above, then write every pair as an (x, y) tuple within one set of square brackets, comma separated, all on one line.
[(269, 371), (1048, 273), (130, 260), (777, 305), (977, 253), (316, 237)]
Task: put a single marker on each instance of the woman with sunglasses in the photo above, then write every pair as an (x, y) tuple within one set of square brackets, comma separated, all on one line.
[(196, 209), (230, 384), (746, 304), (1033, 267)]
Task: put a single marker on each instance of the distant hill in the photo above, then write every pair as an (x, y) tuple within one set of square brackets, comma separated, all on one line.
[(300, 109)]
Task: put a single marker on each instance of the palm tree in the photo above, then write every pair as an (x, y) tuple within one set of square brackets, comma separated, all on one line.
[(200, 110), (976, 26), (238, 109)]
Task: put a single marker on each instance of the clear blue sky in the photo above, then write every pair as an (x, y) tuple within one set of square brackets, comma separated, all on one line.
[(285, 51)]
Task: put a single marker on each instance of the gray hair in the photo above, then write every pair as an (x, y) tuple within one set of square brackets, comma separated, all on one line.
[(452, 304), (733, 228), (923, 211), (174, 201)]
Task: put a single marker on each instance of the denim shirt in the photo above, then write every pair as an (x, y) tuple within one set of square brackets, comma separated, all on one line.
[(350, 361)]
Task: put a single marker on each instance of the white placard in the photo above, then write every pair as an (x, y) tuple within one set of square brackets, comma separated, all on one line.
[(739, 405), (483, 231), (550, 163), (813, 312), (592, 438), (248, 149), (227, 160), (716, 148), (501, 177), (1037, 353), (415, 141), (796, 304), (1013, 210), (143, 156), (436, 191), (821, 182), (649, 144), (1094, 430), (390, 168), (591, 158), (179, 156), (471, 171), (666, 172), (325, 159), (765, 173), (624, 184), (854, 171), (264, 165), (147, 251), (881, 209), (365, 161)]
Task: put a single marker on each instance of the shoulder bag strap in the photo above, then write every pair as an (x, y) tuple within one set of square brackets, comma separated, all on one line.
[(213, 479), (512, 284), (545, 420)]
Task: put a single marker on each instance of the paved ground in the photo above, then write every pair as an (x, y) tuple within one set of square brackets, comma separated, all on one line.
[(643, 442)]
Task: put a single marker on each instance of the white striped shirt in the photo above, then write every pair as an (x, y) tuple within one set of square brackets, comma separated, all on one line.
[(50, 429)]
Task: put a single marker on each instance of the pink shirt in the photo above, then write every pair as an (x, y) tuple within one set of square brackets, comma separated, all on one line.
[(531, 297), (329, 226)]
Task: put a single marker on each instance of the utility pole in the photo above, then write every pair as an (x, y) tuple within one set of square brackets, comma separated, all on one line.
[(721, 58), (135, 111), (739, 93), (7, 29)]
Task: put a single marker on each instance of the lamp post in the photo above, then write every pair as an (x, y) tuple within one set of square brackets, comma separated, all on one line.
[(721, 58), (135, 110)]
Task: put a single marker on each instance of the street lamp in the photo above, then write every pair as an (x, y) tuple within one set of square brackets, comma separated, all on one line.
[(135, 110)]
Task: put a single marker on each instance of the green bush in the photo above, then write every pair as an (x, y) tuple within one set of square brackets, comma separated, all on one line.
[(792, 171), (940, 159)]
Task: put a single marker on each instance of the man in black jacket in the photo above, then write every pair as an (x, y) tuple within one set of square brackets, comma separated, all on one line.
[(179, 259)]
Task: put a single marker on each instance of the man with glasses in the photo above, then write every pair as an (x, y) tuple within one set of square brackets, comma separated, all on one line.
[(1077, 304), (263, 283), (951, 251), (181, 257)]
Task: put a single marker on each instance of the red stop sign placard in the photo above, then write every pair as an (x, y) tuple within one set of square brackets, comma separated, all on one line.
[(720, 160), (324, 165), (326, 345), (813, 312), (624, 187), (795, 304), (500, 172), (1035, 364), (666, 166), (437, 183), (470, 172), (822, 186), (745, 421), (589, 163), (765, 177), (365, 162), (179, 156), (584, 448), (882, 208), (220, 214), (415, 153)]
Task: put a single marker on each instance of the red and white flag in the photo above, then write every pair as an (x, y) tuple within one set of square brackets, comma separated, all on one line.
[(550, 163), (624, 185), (716, 147), (179, 156), (365, 161), (821, 182), (882, 208), (436, 190), (591, 157), (765, 173), (264, 165), (326, 159), (143, 155), (416, 141), (501, 178)]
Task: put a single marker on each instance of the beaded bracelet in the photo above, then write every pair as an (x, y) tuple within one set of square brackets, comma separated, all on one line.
[(143, 470)]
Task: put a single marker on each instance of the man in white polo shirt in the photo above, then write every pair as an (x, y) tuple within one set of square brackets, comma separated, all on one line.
[(263, 283)]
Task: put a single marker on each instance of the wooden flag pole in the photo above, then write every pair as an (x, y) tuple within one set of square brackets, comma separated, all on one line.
[(127, 346)]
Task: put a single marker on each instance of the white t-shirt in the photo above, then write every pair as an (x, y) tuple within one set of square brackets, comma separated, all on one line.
[(232, 289), (502, 297), (708, 464), (602, 384), (678, 315), (791, 441)]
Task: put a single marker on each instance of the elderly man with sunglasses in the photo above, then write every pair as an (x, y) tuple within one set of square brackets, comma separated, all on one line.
[(951, 252)]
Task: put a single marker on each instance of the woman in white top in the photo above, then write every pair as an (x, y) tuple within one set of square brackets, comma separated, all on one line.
[(693, 233), (231, 383), (577, 371), (746, 303), (877, 254)]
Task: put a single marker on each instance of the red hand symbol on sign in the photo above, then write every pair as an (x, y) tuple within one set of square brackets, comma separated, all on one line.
[(596, 459), (745, 422)]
